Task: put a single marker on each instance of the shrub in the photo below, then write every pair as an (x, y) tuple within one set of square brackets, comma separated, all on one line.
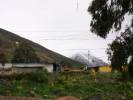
[(58, 91), (37, 76)]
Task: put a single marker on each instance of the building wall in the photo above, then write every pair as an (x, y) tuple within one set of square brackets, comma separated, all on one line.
[(7, 66), (26, 67), (48, 67), (32, 67), (105, 69)]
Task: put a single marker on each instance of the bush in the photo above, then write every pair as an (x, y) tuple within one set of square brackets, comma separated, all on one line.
[(58, 91), (37, 76)]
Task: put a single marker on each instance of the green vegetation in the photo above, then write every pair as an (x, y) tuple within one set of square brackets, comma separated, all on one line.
[(105, 86), (108, 15), (25, 54)]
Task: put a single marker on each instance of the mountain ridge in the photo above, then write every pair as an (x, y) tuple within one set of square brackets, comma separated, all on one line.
[(88, 60), (8, 42)]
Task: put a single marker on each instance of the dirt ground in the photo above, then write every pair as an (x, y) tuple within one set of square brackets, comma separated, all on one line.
[(30, 98), (67, 98), (18, 98)]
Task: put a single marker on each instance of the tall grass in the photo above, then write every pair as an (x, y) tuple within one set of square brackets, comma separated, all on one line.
[(105, 86)]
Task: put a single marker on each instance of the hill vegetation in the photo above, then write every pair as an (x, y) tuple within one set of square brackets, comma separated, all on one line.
[(9, 42)]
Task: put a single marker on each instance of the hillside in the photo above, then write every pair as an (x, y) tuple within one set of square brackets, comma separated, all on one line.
[(8, 44), (88, 60)]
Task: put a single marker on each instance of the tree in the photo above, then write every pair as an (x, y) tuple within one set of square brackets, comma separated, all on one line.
[(25, 54), (120, 49), (108, 15)]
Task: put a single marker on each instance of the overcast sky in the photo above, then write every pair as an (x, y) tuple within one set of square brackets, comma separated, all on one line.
[(59, 25)]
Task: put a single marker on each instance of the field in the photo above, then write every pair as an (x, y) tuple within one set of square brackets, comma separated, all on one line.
[(83, 85)]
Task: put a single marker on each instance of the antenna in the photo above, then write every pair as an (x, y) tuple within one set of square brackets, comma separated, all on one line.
[(77, 4)]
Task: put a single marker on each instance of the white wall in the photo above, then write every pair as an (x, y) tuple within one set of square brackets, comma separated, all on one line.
[(48, 67), (6, 66), (28, 65)]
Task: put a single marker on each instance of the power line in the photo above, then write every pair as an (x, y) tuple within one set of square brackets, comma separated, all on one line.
[(72, 39), (65, 36), (41, 31), (87, 49)]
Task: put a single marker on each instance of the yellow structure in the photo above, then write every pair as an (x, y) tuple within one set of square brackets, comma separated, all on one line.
[(105, 69)]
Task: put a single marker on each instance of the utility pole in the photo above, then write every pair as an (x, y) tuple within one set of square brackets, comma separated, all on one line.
[(88, 54), (88, 58), (77, 4)]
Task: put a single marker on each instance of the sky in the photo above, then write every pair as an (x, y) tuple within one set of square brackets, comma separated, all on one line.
[(59, 25)]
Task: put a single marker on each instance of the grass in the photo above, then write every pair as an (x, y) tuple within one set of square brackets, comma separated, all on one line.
[(105, 86)]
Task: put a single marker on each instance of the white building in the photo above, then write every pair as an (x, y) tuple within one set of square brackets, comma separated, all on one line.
[(6, 66), (23, 67)]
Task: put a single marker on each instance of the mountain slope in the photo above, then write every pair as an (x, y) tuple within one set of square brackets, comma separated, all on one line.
[(88, 60), (8, 43)]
